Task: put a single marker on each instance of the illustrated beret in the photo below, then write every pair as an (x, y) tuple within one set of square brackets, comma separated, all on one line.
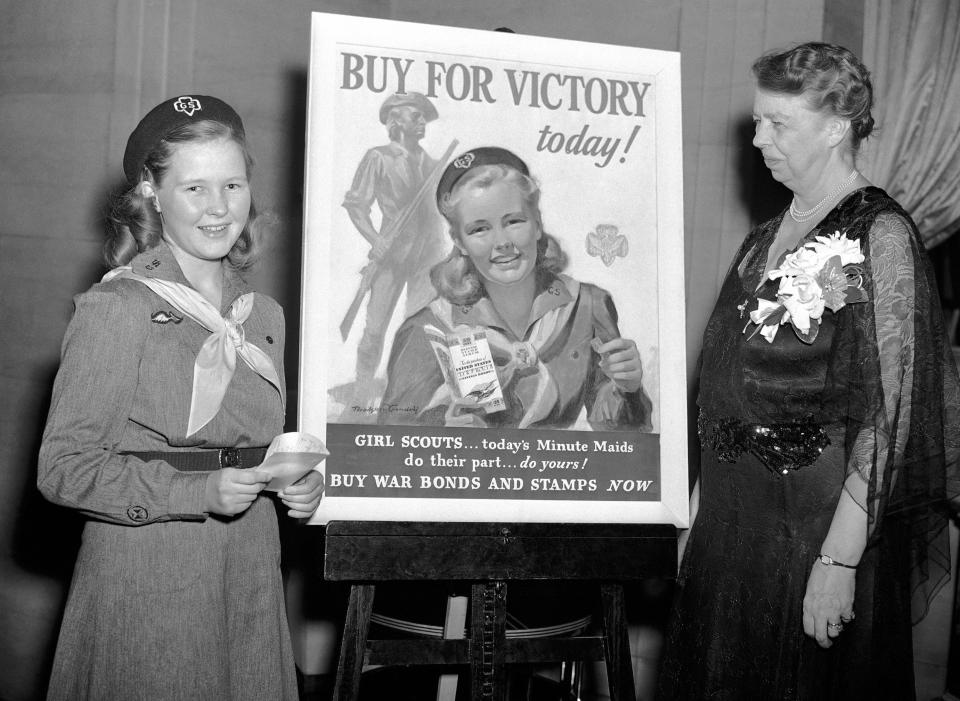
[(474, 158)]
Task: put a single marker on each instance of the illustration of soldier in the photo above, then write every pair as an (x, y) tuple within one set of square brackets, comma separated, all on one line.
[(401, 178)]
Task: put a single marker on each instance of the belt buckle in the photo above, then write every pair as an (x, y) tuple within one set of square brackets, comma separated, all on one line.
[(230, 457)]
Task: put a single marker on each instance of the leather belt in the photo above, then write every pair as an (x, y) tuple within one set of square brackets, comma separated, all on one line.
[(205, 460)]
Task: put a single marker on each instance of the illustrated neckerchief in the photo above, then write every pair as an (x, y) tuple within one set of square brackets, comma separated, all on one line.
[(217, 359), (520, 354)]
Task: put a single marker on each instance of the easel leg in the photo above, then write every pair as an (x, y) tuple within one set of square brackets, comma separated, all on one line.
[(488, 631), (616, 643), (354, 644), (453, 629)]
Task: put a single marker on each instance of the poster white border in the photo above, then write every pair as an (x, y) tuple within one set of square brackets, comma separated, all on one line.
[(323, 195)]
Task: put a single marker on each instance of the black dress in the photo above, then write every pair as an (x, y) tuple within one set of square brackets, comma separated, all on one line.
[(872, 398)]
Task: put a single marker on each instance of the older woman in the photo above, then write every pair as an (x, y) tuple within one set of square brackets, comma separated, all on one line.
[(554, 340), (828, 423)]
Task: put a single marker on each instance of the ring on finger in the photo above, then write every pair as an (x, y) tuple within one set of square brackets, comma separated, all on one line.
[(838, 627)]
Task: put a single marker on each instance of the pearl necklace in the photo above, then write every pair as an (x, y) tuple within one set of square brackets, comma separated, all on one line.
[(801, 217)]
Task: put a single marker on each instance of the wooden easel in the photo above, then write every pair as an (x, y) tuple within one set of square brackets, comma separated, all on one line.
[(490, 555)]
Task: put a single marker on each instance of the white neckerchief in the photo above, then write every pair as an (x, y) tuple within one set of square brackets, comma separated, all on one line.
[(217, 359)]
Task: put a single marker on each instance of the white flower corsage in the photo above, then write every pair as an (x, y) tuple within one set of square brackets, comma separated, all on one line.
[(823, 274)]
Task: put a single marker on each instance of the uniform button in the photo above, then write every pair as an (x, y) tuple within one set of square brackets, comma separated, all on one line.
[(137, 513)]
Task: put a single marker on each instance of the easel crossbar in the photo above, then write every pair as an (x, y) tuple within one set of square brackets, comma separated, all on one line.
[(365, 551), (457, 652)]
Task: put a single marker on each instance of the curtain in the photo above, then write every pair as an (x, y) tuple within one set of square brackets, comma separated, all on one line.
[(912, 48)]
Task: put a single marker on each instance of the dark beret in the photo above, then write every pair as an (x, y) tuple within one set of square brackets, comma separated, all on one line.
[(465, 162), (408, 99), (170, 115)]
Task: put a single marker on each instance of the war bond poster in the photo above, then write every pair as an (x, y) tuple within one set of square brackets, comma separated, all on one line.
[(492, 317)]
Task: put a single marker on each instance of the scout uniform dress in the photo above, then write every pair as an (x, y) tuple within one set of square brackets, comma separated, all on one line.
[(167, 601)]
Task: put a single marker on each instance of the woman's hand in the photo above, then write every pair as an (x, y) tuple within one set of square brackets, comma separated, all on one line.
[(303, 496), (230, 491), (620, 361), (829, 600)]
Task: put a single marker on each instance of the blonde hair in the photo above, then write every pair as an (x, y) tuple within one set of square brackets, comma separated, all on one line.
[(456, 278)]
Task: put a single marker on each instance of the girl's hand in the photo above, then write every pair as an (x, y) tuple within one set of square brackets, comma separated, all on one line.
[(464, 413), (303, 496), (828, 602), (620, 361), (231, 491)]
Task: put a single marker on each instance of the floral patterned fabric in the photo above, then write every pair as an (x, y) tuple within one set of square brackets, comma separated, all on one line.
[(880, 380)]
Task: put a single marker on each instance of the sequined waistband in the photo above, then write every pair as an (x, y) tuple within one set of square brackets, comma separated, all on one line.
[(781, 447)]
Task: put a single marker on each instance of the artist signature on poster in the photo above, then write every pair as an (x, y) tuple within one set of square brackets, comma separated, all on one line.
[(383, 409)]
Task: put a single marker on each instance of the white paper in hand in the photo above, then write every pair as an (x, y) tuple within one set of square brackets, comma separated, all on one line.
[(291, 456)]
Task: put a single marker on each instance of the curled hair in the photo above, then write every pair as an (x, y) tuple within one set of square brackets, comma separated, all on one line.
[(134, 225), (456, 278), (482, 178), (829, 76)]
